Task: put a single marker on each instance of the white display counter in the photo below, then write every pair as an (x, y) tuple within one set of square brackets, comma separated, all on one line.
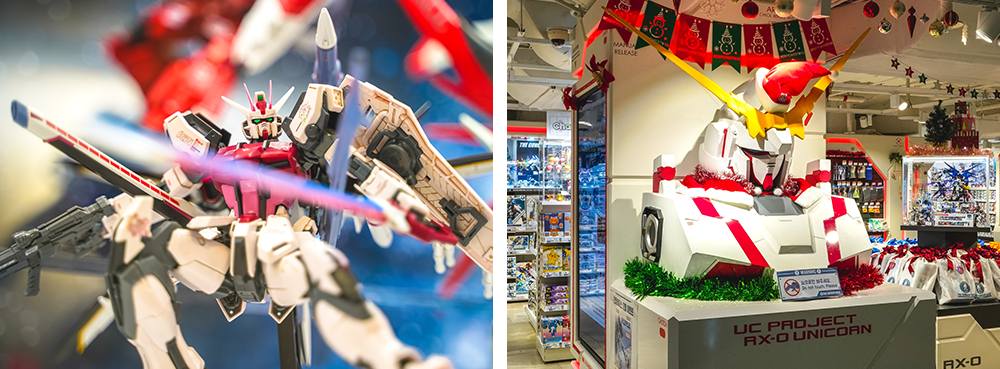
[(890, 326)]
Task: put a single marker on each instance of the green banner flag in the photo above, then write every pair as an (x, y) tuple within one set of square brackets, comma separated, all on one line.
[(658, 24), (788, 37), (726, 42)]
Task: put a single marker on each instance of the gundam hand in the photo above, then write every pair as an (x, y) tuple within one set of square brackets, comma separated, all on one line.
[(77, 231)]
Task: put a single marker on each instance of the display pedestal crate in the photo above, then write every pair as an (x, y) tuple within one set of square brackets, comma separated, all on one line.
[(890, 326), (968, 336)]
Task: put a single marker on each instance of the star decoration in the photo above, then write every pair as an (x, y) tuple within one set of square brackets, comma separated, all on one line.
[(909, 72), (937, 85), (996, 94), (895, 63), (951, 90), (975, 94), (923, 78), (961, 91)]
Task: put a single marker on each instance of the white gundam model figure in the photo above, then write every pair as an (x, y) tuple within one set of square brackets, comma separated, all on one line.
[(741, 212), (263, 244)]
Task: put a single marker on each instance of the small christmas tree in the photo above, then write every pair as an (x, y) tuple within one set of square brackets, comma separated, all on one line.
[(940, 129)]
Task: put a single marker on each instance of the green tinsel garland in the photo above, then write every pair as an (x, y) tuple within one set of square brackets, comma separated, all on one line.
[(645, 278)]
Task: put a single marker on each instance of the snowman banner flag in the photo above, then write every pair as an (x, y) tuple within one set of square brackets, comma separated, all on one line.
[(658, 24), (817, 35), (690, 39), (788, 38), (725, 45), (759, 46)]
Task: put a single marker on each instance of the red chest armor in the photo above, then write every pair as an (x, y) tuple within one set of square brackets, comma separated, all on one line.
[(245, 196)]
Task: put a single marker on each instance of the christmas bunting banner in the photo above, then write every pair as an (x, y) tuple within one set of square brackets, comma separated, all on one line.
[(658, 24), (627, 10), (817, 35), (788, 37), (690, 39), (725, 45), (759, 49)]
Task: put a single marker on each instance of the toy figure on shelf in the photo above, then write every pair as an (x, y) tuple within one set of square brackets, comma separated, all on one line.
[(265, 245), (740, 213)]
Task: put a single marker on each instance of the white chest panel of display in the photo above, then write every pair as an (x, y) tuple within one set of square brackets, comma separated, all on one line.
[(890, 326)]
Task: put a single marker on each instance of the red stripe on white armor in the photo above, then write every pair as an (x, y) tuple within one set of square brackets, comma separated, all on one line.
[(830, 225), (749, 248)]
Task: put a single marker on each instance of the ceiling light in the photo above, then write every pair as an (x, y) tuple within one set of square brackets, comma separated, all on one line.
[(989, 25), (903, 105)]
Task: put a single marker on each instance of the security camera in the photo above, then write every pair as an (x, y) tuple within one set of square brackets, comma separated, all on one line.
[(558, 36)]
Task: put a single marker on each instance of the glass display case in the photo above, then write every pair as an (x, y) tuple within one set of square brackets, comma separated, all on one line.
[(949, 191), (591, 210), (555, 168)]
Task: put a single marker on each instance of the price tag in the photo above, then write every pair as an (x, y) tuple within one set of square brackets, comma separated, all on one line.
[(808, 284)]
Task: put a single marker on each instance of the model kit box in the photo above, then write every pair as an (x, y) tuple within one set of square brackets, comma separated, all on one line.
[(556, 224), (516, 211), (889, 326), (520, 243)]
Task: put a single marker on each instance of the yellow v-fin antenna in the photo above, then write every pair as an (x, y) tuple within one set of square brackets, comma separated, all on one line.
[(806, 104)]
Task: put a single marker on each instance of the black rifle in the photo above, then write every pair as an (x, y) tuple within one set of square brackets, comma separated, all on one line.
[(76, 231)]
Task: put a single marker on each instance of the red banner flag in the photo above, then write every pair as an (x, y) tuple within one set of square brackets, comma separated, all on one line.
[(690, 39), (758, 46), (817, 35), (627, 10)]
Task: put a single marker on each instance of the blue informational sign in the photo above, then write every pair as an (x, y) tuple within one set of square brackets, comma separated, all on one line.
[(808, 284)]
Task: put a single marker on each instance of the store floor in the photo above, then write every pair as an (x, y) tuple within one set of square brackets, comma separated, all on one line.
[(521, 351)]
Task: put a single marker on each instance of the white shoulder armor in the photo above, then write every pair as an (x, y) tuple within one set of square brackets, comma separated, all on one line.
[(194, 134), (309, 110)]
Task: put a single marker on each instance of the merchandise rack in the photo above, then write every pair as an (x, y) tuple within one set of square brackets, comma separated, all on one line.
[(867, 192), (537, 309)]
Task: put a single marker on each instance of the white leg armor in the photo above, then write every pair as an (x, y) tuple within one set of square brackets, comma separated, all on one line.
[(143, 260)]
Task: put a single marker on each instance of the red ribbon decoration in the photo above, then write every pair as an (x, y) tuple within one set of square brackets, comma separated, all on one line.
[(663, 174), (817, 36), (627, 10), (749, 248), (759, 46), (690, 39), (569, 99), (601, 73), (818, 176)]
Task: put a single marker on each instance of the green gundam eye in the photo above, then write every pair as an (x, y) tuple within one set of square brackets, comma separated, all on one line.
[(256, 121), (271, 119)]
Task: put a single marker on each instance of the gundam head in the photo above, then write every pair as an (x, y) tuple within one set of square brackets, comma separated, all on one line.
[(764, 160), (263, 122)]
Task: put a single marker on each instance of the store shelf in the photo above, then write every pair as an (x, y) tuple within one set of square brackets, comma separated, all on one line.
[(532, 317), (555, 308), (531, 253), (562, 274), (554, 354), (562, 239), (521, 229), (517, 300)]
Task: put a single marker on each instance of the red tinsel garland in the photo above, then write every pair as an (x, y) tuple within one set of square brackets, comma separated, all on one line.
[(858, 278), (945, 151)]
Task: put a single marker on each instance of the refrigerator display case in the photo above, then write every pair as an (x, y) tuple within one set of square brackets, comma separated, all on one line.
[(591, 214)]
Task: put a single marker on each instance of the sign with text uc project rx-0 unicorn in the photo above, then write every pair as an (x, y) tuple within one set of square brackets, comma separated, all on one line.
[(806, 284)]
